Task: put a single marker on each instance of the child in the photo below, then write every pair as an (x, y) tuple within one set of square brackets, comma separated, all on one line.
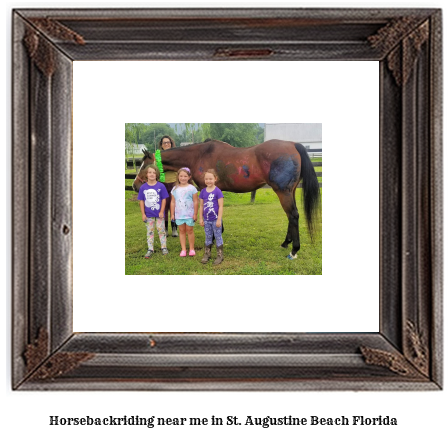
[(211, 206), (184, 209), (152, 196)]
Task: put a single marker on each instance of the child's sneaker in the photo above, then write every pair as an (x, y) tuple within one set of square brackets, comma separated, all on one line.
[(192, 253), (149, 254), (164, 251), (183, 253)]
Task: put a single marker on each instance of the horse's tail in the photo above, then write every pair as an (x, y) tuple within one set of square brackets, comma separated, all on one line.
[(310, 189)]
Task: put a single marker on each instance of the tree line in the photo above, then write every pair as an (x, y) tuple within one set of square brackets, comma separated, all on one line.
[(237, 134)]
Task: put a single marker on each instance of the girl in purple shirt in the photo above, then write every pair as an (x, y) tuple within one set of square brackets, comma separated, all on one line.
[(210, 216), (152, 196)]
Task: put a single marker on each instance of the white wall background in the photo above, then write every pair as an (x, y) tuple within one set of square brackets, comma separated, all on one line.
[(308, 134), (301, 132)]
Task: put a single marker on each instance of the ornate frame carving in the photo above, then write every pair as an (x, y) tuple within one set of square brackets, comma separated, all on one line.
[(406, 354)]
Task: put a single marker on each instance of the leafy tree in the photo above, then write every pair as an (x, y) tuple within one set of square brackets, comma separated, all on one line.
[(237, 134), (133, 135), (206, 131), (182, 137), (192, 133), (128, 137), (260, 134), (135, 132), (154, 132)]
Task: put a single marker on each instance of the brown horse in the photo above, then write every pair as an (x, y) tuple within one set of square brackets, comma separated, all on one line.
[(280, 164)]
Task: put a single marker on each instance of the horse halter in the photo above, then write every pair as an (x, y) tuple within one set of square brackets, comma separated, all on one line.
[(141, 180)]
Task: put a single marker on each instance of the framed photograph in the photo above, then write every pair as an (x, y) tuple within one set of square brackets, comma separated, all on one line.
[(237, 159), (51, 353)]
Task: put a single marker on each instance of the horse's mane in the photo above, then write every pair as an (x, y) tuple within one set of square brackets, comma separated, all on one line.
[(147, 154), (206, 141), (200, 142)]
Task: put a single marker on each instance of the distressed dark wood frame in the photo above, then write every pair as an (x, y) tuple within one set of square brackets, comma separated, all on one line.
[(406, 353)]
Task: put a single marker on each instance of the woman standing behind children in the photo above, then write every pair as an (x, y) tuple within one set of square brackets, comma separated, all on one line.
[(184, 209), (152, 196), (165, 143), (210, 215)]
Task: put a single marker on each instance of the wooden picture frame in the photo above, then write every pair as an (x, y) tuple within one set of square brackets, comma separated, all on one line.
[(406, 353)]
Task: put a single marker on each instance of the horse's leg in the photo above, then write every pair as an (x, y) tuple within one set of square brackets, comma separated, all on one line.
[(252, 196), (288, 238), (296, 234), (287, 200)]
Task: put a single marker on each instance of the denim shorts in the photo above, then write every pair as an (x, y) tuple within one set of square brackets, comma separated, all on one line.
[(189, 222)]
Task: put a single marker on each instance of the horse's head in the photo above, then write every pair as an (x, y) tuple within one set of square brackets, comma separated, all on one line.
[(141, 177)]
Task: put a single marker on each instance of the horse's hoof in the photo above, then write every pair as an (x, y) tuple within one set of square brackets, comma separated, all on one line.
[(284, 245), (291, 257)]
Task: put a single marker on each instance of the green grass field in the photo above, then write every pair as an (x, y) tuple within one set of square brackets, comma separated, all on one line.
[(252, 237)]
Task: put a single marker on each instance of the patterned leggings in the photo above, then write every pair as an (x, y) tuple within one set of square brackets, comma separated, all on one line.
[(160, 223), (210, 230)]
